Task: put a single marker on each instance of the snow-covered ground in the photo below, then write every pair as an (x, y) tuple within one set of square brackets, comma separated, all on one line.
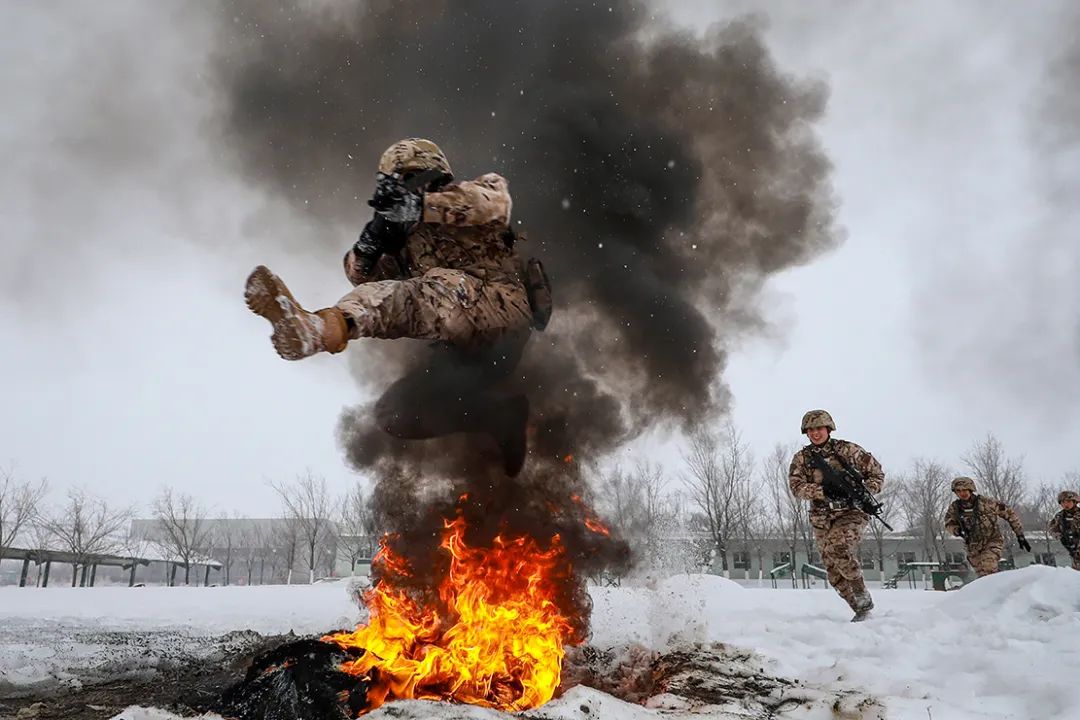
[(1005, 646)]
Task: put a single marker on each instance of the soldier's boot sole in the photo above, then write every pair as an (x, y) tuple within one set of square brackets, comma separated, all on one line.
[(297, 333), (513, 435)]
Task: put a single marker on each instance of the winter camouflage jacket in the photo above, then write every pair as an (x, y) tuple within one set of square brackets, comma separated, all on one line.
[(1066, 522), (979, 518), (463, 229), (805, 479)]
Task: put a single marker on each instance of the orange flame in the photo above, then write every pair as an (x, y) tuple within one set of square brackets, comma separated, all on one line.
[(497, 640)]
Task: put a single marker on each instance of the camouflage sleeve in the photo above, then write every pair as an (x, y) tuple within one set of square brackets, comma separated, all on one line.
[(1054, 528), (801, 480), (952, 521), (870, 468), (1009, 515), (385, 269), (477, 202)]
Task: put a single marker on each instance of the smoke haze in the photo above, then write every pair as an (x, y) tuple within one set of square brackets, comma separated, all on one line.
[(660, 177)]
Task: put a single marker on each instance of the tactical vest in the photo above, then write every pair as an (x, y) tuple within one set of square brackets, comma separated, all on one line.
[(967, 517)]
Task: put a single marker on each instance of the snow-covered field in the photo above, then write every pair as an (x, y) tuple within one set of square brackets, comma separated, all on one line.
[(1003, 647)]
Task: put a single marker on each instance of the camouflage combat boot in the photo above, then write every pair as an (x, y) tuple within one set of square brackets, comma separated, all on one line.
[(297, 332), (862, 604)]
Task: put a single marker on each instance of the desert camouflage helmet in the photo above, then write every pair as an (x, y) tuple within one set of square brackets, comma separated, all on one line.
[(817, 418), (963, 483), (413, 155), (1068, 495)]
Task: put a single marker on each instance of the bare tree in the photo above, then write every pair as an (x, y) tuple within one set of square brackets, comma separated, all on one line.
[(253, 546), (284, 546), (19, 501), (357, 530), (228, 540), (86, 526), (790, 518), (998, 476), (306, 502), (717, 473), (181, 529), (40, 542), (924, 499), (890, 497), (1040, 507), (640, 505), (757, 524), (995, 474)]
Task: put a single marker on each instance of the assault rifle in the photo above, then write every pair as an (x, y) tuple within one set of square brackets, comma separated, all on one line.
[(852, 485)]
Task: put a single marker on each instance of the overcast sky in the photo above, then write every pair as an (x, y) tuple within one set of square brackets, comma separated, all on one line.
[(128, 360)]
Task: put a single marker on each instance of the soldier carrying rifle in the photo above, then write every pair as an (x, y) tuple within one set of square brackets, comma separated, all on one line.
[(1065, 526), (974, 518), (838, 478)]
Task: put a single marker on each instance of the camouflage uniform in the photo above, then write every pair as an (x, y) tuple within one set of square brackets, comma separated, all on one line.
[(1067, 522), (456, 279), (978, 518), (439, 266), (838, 527)]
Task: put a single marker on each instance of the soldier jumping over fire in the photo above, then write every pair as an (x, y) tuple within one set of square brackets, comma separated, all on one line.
[(436, 262), (974, 518), (838, 478)]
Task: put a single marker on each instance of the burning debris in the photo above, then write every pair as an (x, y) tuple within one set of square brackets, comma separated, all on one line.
[(494, 636), (305, 680), (492, 632)]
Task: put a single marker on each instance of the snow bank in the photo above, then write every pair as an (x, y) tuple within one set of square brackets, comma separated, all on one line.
[(267, 609), (1002, 647)]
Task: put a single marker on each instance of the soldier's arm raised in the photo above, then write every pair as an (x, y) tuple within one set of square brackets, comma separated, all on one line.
[(476, 202), (800, 480)]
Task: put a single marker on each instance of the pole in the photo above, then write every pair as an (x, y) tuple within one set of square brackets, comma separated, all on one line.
[(25, 570), (45, 580)]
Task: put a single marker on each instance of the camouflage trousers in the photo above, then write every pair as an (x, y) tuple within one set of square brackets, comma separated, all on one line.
[(984, 559), (837, 535), (1076, 560), (442, 304)]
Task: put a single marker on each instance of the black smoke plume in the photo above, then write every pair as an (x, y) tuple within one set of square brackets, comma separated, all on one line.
[(660, 175)]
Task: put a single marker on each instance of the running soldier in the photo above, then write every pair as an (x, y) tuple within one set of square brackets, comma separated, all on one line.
[(437, 262), (974, 518), (1065, 526), (816, 474)]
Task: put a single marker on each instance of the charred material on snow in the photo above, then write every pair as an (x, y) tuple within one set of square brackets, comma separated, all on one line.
[(301, 680)]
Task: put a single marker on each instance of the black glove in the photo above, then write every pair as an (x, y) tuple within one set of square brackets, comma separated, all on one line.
[(395, 202), (832, 487), (378, 236), (1022, 542)]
